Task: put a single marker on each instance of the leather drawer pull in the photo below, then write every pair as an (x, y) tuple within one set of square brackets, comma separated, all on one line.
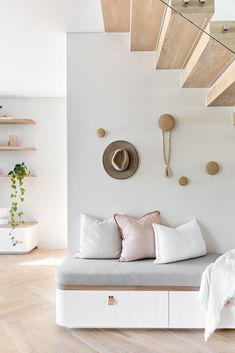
[(111, 300)]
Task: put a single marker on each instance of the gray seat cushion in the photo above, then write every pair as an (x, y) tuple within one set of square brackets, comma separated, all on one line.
[(137, 273)]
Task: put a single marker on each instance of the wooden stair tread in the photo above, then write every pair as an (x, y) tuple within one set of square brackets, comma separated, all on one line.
[(146, 19), (223, 91), (179, 36), (210, 58), (116, 15)]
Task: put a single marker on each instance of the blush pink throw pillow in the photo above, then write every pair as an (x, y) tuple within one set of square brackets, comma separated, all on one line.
[(137, 236)]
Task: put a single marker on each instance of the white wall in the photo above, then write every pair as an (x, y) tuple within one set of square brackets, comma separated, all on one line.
[(120, 91), (33, 43), (224, 10), (33, 64), (46, 197)]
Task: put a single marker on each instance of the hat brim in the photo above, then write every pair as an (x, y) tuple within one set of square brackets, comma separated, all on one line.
[(133, 163)]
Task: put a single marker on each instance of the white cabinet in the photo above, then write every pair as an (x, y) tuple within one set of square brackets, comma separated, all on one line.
[(25, 235), (134, 309), (79, 308)]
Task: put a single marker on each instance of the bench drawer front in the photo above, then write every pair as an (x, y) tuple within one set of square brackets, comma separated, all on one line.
[(185, 310), (79, 308), (136, 309), (124, 309), (228, 315)]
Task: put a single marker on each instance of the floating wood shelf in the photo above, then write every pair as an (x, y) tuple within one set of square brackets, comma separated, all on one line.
[(10, 120), (25, 225), (6, 176), (17, 148)]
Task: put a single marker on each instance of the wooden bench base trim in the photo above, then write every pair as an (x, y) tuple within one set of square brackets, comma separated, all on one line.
[(128, 288)]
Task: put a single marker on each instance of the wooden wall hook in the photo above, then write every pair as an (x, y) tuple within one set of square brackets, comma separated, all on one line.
[(166, 122), (183, 181), (212, 168), (101, 132)]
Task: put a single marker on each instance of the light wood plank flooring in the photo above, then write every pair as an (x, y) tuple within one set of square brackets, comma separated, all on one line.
[(27, 318)]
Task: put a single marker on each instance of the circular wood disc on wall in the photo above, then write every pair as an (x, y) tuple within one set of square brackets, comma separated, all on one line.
[(166, 122), (100, 132), (183, 181), (212, 168)]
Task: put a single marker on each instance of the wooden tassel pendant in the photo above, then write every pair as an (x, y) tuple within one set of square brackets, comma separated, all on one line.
[(166, 153), (167, 172), (166, 123)]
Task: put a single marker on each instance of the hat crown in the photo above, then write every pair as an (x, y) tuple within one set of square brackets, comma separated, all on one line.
[(120, 160)]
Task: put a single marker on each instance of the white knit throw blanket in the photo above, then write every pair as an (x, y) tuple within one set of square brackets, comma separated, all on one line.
[(217, 288)]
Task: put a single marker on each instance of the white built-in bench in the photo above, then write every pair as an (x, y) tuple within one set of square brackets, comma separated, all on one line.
[(139, 294)]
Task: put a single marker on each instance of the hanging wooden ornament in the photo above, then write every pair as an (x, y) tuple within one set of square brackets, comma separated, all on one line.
[(166, 123)]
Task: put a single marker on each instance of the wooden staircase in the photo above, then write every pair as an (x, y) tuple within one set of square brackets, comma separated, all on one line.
[(210, 59), (180, 44)]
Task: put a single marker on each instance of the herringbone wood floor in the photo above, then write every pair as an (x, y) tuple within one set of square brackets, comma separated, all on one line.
[(27, 318)]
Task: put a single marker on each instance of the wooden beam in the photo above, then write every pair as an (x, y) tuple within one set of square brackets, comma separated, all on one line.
[(210, 58), (179, 36), (116, 15), (223, 92), (146, 19)]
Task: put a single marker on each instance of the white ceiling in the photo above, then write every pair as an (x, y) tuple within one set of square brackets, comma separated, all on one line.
[(33, 43)]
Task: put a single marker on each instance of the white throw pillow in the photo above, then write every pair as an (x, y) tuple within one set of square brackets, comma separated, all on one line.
[(184, 242), (99, 239)]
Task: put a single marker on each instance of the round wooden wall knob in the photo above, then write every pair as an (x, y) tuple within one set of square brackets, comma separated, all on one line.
[(166, 122), (212, 168), (100, 132), (183, 181)]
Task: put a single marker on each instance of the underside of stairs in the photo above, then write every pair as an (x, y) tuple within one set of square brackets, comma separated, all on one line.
[(184, 37)]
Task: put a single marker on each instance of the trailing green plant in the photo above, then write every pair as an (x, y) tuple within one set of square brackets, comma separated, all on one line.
[(17, 175)]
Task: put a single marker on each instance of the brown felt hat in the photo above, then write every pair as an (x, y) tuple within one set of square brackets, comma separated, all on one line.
[(120, 159)]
